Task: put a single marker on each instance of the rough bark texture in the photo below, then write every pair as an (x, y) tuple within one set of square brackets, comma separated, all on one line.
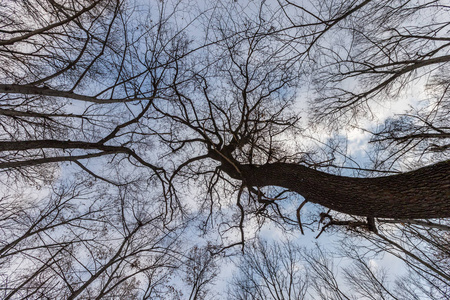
[(420, 194)]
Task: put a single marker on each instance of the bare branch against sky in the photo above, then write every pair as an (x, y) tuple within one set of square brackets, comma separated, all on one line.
[(146, 146)]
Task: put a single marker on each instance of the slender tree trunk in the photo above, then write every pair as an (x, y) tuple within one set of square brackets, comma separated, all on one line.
[(420, 194)]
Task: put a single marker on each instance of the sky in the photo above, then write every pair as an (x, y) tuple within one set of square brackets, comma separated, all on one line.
[(356, 138)]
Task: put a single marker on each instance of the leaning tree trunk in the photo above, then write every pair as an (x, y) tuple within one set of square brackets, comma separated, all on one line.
[(420, 194)]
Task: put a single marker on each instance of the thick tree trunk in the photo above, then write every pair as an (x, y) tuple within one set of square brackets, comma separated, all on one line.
[(420, 194)]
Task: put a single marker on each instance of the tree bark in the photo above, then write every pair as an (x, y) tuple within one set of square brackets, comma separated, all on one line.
[(420, 194)]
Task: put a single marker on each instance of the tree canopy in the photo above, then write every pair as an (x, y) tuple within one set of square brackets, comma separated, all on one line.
[(128, 129)]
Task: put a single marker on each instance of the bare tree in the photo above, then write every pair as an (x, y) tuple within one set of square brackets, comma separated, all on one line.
[(200, 271), (385, 51), (424, 250), (282, 270), (139, 109), (77, 79), (270, 271), (82, 243), (245, 122)]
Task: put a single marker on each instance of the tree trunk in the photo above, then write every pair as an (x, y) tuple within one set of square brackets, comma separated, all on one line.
[(420, 194)]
